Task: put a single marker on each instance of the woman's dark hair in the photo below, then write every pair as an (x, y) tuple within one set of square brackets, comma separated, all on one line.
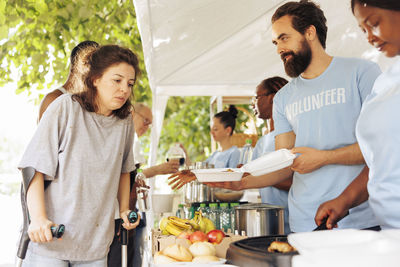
[(384, 4), (304, 14), (273, 84), (99, 61), (228, 118)]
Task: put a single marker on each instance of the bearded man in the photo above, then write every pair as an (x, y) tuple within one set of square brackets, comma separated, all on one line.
[(315, 115)]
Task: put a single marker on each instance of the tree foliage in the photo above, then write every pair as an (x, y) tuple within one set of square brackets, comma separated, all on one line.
[(37, 36), (190, 127)]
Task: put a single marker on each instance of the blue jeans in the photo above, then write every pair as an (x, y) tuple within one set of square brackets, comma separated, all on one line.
[(34, 260)]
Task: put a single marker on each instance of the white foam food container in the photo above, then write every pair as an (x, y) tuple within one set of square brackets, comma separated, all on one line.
[(218, 175), (270, 162)]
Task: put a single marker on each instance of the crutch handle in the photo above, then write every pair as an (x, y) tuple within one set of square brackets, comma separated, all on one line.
[(133, 216), (56, 231)]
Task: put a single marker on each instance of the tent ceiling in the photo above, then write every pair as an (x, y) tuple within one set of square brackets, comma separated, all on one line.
[(223, 48), (208, 47)]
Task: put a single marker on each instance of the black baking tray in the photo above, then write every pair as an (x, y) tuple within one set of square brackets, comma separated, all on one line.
[(253, 251)]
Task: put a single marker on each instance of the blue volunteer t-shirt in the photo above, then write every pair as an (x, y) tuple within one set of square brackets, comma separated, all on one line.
[(225, 159), (322, 112), (270, 194), (378, 134)]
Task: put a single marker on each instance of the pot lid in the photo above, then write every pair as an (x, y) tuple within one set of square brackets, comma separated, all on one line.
[(258, 206)]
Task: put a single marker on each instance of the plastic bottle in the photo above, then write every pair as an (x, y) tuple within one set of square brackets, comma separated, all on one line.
[(180, 213), (142, 191), (192, 210), (186, 211), (233, 218), (204, 210), (140, 175), (214, 214), (176, 153), (247, 152), (224, 217)]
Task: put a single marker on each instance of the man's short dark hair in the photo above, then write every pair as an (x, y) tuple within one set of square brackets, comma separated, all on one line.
[(304, 14)]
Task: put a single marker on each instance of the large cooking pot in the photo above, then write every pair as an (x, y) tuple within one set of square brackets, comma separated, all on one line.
[(259, 219), (253, 252), (195, 191)]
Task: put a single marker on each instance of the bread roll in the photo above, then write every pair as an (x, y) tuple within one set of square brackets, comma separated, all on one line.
[(177, 252), (205, 259), (162, 259), (203, 249), (279, 246)]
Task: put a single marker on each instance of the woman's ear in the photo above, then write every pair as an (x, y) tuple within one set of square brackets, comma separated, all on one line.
[(96, 82), (229, 130)]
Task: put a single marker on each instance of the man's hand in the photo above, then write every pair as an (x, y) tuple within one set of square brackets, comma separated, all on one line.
[(171, 166), (179, 179), (236, 186), (334, 209), (309, 160)]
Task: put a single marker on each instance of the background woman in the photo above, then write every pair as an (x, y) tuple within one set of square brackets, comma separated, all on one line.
[(83, 145), (227, 156)]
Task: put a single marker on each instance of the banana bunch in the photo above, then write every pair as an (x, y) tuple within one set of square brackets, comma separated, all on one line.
[(175, 226), (206, 225)]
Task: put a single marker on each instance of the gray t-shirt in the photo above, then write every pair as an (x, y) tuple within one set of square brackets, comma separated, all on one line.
[(83, 154)]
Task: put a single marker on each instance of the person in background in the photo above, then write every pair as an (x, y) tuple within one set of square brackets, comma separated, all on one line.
[(379, 141), (77, 69), (142, 120), (83, 145), (262, 105), (228, 154), (315, 116)]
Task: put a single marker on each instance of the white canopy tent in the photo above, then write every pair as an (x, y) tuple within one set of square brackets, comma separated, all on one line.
[(223, 47)]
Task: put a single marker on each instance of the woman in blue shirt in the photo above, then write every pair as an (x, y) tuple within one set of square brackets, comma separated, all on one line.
[(221, 130), (227, 156)]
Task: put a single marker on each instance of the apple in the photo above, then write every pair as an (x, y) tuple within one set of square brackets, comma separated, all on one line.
[(198, 236), (185, 234), (215, 236)]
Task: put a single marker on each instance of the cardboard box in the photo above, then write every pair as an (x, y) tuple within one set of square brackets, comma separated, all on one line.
[(159, 242)]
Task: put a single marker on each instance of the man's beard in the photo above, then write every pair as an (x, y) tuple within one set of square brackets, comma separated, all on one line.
[(299, 61)]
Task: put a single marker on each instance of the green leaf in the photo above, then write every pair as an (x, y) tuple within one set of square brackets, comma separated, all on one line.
[(84, 13), (63, 13), (3, 32), (41, 6)]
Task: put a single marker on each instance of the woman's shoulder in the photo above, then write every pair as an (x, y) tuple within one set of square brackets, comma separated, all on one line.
[(234, 149), (64, 99), (60, 104)]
